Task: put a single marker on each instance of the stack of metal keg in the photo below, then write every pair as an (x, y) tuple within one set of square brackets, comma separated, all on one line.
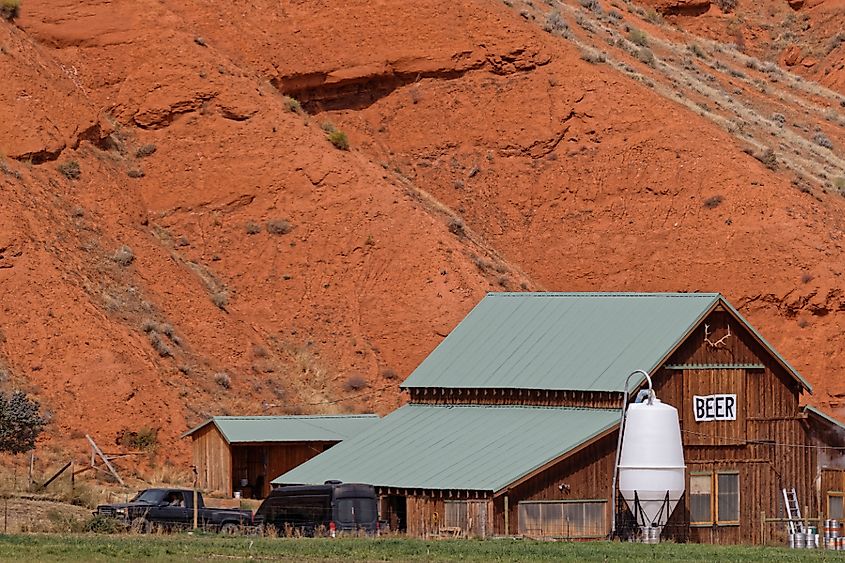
[(832, 535), (804, 540)]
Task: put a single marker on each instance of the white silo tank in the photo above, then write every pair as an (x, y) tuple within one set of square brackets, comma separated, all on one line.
[(651, 464)]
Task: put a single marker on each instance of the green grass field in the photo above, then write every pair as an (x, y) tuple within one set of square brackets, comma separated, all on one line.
[(183, 547)]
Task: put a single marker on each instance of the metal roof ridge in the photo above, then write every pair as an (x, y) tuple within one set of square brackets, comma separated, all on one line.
[(702, 294), (293, 416), (491, 406)]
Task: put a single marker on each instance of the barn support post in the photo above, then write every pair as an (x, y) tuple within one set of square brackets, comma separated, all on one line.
[(507, 516), (196, 508)]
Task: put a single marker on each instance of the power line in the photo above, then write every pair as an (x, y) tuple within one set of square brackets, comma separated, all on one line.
[(728, 440)]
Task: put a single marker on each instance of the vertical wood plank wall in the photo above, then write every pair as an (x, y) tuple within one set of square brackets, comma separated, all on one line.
[(213, 460), (771, 416), (585, 475)]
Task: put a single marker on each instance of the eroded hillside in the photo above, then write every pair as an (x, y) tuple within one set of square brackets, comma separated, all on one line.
[(216, 253)]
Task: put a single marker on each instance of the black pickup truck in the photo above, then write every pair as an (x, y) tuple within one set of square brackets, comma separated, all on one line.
[(174, 509)]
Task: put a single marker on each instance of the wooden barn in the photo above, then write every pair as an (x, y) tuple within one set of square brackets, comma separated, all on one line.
[(511, 428), (242, 453)]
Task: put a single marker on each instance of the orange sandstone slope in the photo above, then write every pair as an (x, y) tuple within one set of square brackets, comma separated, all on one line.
[(274, 273), (805, 36), (265, 270), (586, 178)]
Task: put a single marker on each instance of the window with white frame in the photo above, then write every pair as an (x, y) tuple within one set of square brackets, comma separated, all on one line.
[(714, 498)]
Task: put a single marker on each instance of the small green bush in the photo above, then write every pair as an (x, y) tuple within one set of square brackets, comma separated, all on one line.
[(70, 169), (638, 37), (104, 525), (145, 439), (339, 140), (292, 104), (10, 9)]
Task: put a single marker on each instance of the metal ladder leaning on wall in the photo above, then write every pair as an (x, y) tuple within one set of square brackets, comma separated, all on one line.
[(793, 511)]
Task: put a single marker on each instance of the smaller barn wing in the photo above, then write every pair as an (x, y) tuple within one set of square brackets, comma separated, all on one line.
[(253, 429), (474, 448)]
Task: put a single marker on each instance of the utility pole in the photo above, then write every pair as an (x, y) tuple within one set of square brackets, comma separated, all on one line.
[(196, 509)]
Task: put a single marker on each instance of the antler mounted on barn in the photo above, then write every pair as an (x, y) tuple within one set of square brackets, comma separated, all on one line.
[(717, 343)]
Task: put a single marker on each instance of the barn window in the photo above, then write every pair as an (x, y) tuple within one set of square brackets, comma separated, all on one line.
[(727, 498), (835, 506), (714, 498), (701, 499), (563, 519)]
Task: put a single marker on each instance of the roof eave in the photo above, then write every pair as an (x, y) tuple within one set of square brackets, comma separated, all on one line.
[(568, 453), (200, 427)]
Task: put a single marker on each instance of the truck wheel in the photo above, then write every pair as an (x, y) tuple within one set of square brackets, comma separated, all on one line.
[(229, 528)]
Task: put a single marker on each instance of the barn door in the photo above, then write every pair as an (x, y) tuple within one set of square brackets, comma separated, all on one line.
[(714, 411)]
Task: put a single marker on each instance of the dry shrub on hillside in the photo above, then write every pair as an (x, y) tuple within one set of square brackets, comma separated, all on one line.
[(123, 256), (457, 227), (292, 104), (220, 299), (279, 227), (713, 202), (592, 57), (145, 150), (355, 383), (822, 140), (726, 6), (10, 9), (223, 380), (70, 170), (555, 23)]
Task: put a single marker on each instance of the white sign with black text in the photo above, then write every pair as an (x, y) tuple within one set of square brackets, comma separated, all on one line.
[(714, 407)]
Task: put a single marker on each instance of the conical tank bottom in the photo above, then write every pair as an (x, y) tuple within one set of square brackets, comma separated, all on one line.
[(651, 463)]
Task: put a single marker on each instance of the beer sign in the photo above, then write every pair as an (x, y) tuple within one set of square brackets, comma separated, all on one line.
[(714, 407)]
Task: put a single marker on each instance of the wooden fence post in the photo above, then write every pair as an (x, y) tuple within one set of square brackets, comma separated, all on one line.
[(763, 528)]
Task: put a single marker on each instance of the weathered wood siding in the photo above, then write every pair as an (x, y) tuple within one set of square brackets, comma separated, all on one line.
[(766, 442), (425, 515), (585, 475), (213, 460)]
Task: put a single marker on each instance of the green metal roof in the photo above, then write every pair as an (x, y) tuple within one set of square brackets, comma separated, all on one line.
[(481, 448), (237, 429), (567, 341)]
